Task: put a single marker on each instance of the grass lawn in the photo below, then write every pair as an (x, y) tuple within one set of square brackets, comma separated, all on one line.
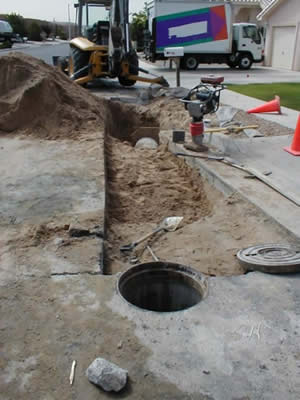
[(289, 92)]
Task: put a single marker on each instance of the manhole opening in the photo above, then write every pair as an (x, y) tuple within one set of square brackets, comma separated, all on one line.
[(162, 287)]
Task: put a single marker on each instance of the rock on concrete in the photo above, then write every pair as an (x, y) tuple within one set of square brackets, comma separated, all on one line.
[(107, 375), (226, 114)]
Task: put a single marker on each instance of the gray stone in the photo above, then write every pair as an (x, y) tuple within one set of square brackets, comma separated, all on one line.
[(155, 88), (97, 232), (176, 92), (107, 375), (253, 133), (225, 114), (58, 241), (145, 95), (78, 231)]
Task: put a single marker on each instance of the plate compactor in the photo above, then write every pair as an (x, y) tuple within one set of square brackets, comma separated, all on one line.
[(201, 100)]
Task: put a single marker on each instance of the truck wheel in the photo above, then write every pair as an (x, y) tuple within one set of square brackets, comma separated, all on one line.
[(245, 61), (190, 63)]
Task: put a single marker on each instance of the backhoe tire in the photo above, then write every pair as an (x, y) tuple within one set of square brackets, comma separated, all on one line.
[(79, 59), (133, 69), (126, 82)]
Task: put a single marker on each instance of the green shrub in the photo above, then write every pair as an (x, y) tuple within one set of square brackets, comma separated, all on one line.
[(35, 32)]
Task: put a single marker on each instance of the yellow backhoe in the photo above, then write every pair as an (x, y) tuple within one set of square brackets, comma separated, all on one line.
[(103, 47)]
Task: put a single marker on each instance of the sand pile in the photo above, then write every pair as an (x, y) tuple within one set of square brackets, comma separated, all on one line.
[(171, 114), (38, 99)]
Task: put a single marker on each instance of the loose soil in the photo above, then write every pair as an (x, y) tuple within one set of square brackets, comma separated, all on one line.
[(145, 186), (39, 100), (171, 114)]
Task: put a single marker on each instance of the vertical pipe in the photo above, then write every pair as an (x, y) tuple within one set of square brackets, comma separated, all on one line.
[(80, 18), (177, 61), (87, 15), (69, 20), (127, 38)]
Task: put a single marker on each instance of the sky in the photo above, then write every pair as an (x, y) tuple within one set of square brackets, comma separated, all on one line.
[(50, 9)]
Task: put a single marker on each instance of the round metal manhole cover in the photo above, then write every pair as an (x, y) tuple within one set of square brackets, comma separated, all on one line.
[(162, 286), (271, 258)]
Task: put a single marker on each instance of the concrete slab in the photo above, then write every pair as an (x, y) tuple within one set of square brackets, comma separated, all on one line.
[(265, 154), (45, 187), (262, 154), (40, 179), (238, 343)]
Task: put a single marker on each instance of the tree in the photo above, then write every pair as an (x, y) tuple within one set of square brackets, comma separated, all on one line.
[(35, 32), (47, 29), (18, 24), (61, 32), (137, 27)]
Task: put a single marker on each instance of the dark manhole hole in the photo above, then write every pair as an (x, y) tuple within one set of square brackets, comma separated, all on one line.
[(162, 286)]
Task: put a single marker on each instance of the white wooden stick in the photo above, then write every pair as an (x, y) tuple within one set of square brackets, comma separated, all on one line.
[(72, 374)]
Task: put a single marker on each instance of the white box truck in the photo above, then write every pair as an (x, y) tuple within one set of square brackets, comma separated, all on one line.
[(205, 30)]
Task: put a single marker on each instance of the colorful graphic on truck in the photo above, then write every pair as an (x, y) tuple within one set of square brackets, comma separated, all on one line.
[(191, 27)]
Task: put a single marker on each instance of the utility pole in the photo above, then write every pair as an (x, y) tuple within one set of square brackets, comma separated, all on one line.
[(69, 20)]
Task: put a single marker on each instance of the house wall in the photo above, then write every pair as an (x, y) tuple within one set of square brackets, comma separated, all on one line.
[(287, 14), (246, 14)]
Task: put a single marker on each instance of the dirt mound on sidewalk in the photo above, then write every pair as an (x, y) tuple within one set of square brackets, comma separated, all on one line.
[(38, 99)]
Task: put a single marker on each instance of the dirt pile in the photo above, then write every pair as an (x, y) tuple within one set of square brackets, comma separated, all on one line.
[(38, 99), (171, 114)]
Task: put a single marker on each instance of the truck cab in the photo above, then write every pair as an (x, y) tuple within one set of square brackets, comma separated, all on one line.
[(6, 34), (247, 46)]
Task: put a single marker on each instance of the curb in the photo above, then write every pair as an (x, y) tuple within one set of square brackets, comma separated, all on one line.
[(221, 184)]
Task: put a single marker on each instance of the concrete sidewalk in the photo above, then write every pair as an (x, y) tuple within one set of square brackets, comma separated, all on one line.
[(288, 117)]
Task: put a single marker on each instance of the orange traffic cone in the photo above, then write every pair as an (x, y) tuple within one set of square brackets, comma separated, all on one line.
[(271, 106), (295, 147)]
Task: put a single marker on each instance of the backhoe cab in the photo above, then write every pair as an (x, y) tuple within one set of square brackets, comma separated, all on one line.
[(103, 47)]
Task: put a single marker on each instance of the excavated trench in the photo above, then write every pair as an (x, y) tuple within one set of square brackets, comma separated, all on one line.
[(144, 186)]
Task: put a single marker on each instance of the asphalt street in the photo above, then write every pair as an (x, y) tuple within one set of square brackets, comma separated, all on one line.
[(44, 51), (257, 74)]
